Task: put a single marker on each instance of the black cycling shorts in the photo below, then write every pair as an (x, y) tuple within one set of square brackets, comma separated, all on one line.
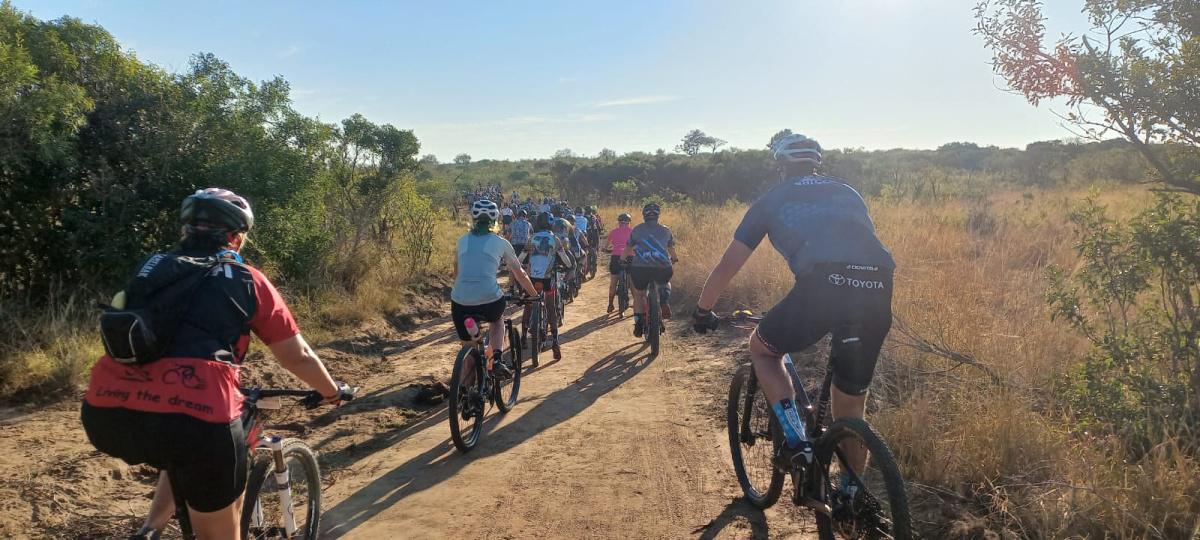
[(489, 313), (854, 302), (207, 462), (614, 265), (641, 276)]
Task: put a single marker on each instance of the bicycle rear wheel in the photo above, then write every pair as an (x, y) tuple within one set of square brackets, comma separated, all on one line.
[(467, 397), (263, 511), (653, 319), (879, 508), (751, 440), (534, 331), (622, 293), (507, 377)]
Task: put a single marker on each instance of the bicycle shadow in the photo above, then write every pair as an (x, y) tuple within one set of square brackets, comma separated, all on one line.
[(441, 462), (734, 514)]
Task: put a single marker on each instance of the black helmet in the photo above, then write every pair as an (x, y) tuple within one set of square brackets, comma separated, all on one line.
[(542, 222), (217, 207), (522, 213), (578, 210), (506, 219), (624, 217), (651, 211)]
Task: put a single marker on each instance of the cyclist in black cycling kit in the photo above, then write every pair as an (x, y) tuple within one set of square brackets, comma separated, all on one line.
[(843, 285)]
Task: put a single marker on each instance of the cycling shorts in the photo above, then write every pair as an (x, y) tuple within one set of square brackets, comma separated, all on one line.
[(489, 313), (641, 276), (614, 265), (207, 461), (853, 302)]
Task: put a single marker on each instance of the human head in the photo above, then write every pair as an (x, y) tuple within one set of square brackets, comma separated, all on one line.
[(651, 211), (624, 218), (522, 214), (542, 222), (484, 213), (797, 154), (215, 218)]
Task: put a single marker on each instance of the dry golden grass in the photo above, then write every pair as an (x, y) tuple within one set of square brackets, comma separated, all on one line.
[(985, 456)]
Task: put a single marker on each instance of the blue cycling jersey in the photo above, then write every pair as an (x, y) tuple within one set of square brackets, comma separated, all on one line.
[(812, 220)]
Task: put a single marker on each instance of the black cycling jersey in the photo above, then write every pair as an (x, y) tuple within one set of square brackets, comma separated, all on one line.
[(812, 220)]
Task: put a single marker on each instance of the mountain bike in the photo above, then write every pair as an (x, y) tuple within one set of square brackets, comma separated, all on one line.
[(593, 252), (535, 325), (653, 328), (284, 475), (478, 381), (878, 506), (622, 291)]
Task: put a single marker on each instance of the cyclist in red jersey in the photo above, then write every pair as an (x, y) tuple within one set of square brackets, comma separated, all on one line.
[(182, 412)]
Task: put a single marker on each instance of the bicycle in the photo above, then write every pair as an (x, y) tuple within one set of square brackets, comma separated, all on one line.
[(535, 326), (622, 291), (654, 328), (592, 263), (761, 468), (270, 501), (471, 392)]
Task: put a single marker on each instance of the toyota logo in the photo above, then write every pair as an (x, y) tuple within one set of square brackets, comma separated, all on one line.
[(837, 279)]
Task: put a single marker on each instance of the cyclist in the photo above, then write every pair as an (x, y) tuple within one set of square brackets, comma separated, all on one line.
[(182, 412), (578, 241), (476, 293), (545, 251), (581, 221), (563, 230), (615, 244), (843, 285), (519, 232), (649, 255)]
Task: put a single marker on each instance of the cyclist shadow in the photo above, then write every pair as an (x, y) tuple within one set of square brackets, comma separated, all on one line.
[(581, 330), (441, 462), (738, 513)]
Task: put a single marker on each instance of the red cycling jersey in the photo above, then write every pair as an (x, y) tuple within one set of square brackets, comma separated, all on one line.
[(203, 388)]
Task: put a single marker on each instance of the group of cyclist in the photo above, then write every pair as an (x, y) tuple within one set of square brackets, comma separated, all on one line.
[(819, 224)]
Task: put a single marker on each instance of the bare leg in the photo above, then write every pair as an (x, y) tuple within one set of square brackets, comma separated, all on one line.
[(163, 505), (224, 523), (849, 406), (773, 378), (639, 302)]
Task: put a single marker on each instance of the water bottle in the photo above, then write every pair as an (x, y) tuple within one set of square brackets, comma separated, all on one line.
[(472, 328)]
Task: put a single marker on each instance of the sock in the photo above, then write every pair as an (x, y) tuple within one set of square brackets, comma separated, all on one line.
[(789, 420)]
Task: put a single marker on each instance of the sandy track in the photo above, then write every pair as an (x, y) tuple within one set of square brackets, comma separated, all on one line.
[(607, 443)]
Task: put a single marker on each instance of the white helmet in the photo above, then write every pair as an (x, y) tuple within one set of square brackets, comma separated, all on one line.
[(484, 207), (797, 148)]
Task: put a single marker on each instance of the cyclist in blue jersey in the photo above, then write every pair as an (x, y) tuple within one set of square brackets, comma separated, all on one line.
[(649, 254), (843, 286)]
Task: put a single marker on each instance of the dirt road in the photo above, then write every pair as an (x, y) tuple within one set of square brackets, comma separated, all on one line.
[(605, 443)]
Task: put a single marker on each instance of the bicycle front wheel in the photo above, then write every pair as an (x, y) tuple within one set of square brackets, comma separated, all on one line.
[(879, 506), (264, 513), (467, 397), (752, 442), (534, 332), (507, 375)]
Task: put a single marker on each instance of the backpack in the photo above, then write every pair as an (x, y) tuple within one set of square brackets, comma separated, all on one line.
[(156, 299)]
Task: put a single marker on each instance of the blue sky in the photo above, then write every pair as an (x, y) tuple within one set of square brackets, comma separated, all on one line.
[(519, 79)]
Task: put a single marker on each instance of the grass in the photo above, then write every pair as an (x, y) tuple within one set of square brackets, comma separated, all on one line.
[(987, 456)]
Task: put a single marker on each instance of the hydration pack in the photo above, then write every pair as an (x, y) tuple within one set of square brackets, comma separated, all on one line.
[(140, 329)]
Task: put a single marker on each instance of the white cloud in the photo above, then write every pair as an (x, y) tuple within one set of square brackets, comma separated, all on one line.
[(639, 100)]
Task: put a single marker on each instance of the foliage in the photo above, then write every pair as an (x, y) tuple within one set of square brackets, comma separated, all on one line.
[(1138, 66), (1135, 298)]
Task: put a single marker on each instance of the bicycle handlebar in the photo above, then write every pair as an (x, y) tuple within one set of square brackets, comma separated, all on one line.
[(309, 398), (524, 299)]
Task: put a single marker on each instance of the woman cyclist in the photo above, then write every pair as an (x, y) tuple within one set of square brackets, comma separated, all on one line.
[(476, 294), (617, 239), (190, 423), (545, 252)]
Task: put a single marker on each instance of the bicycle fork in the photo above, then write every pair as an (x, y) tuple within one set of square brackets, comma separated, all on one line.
[(284, 485)]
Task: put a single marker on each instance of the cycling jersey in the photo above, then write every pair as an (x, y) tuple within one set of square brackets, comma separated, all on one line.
[(581, 223), (546, 247), (479, 258), (520, 232), (619, 238), (812, 220), (650, 241), (198, 376)]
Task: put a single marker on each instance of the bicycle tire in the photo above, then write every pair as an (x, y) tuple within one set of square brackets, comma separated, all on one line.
[(739, 421), (880, 467), (461, 397), (534, 331), (653, 319), (513, 360), (622, 294), (261, 488)]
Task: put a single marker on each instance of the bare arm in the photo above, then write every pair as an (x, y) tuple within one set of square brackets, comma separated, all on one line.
[(731, 263), (296, 356), (518, 273)]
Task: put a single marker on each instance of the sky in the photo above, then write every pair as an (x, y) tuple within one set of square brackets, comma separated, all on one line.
[(518, 79)]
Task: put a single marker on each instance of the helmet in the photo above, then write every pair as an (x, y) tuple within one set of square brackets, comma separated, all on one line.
[(797, 148), (651, 211), (507, 219), (592, 209), (542, 222), (578, 209), (219, 207), (560, 226), (624, 217), (522, 213), (485, 208)]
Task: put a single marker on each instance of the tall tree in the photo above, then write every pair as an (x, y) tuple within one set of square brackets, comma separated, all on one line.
[(1137, 66), (693, 141)]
